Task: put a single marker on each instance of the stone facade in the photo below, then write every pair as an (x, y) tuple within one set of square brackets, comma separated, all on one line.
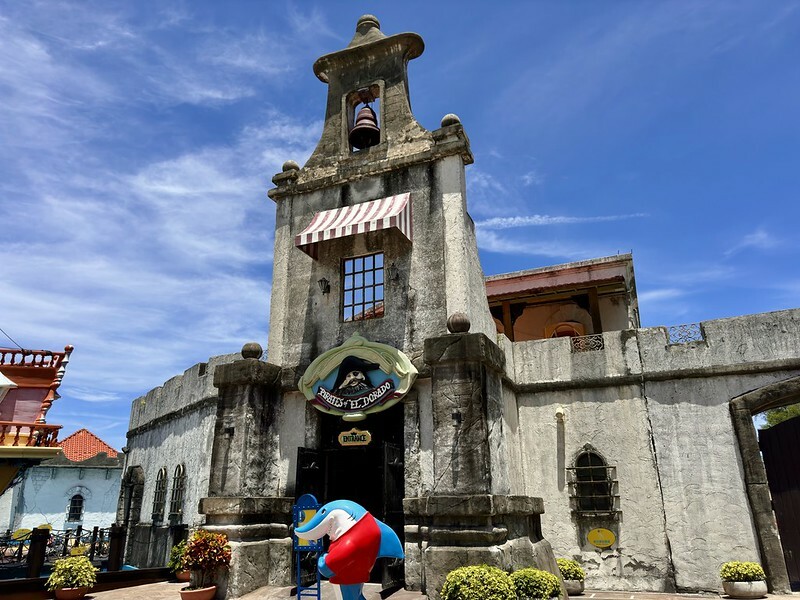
[(489, 440)]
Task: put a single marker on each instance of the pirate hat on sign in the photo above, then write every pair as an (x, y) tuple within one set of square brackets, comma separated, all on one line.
[(353, 363)]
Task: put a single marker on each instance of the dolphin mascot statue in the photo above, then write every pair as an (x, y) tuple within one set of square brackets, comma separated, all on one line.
[(357, 540)]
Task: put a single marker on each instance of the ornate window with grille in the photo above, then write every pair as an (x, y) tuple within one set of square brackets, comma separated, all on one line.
[(160, 495), (75, 510), (178, 490), (362, 289), (593, 484)]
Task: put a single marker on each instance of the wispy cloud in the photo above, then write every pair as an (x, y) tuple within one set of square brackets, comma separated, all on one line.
[(544, 220), (760, 239), (532, 177), (661, 295)]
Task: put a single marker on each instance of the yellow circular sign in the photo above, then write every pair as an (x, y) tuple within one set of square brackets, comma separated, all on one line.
[(601, 538)]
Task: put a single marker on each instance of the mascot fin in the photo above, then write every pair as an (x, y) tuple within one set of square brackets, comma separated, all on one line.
[(390, 544)]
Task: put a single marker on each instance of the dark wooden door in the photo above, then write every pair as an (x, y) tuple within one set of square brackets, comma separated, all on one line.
[(393, 574), (780, 447)]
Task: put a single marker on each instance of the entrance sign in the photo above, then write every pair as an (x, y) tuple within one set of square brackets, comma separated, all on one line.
[(355, 437), (302, 514), (357, 378), (601, 538)]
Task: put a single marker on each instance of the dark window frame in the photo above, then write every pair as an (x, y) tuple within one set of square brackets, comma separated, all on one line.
[(363, 287), (160, 495), (593, 485), (75, 509), (178, 491)]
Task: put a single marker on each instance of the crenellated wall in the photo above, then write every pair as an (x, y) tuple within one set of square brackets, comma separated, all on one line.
[(659, 414)]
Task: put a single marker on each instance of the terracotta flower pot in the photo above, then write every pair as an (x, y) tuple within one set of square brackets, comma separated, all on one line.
[(183, 575), (71, 593), (199, 594), (745, 589), (574, 587)]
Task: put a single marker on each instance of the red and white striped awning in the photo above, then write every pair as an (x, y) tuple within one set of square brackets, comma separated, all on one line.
[(394, 211)]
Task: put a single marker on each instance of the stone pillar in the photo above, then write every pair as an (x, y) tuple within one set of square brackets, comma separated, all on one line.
[(470, 517), (245, 501)]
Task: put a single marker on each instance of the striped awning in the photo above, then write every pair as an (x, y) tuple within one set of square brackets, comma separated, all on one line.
[(394, 211)]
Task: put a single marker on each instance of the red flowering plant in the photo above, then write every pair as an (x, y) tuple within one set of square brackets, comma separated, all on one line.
[(205, 553)]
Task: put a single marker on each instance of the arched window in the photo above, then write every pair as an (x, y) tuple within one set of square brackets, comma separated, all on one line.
[(566, 329), (592, 484), (75, 511), (178, 489), (160, 495)]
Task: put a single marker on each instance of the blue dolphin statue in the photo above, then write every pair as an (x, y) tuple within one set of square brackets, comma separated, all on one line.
[(357, 540)]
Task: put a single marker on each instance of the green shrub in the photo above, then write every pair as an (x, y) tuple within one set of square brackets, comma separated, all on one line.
[(177, 557), (72, 572), (478, 583), (534, 583), (570, 569), (741, 571)]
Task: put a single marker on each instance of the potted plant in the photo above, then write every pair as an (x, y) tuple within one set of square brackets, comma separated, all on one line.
[(572, 574), (205, 553), (72, 577), (534, 584), (177, 561), (743, 579), (484, 582)]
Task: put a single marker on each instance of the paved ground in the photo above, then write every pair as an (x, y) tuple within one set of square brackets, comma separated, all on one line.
[(169, 591)]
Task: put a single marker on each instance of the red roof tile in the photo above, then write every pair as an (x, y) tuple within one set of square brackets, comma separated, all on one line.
[(84, 444)]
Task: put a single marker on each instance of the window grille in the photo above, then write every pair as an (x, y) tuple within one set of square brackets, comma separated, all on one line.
[(160, 496), (593, 485), (587, 343), (178, 490), (362, 292), (75, 512), (683, 334)]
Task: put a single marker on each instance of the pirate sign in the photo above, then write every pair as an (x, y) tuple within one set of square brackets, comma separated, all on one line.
[(358, 378)]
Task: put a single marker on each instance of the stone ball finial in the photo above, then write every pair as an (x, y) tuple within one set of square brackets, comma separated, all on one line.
[(290, 165), (252, 350), (368, 22), (450, 119), (458, 323)]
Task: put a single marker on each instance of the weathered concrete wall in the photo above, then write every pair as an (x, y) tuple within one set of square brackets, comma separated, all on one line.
[(429, 283), (659, 413), (45, 492), (171, 425), (614, 421)]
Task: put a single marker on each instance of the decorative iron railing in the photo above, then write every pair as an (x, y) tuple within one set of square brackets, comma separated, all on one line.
[(28, 434), (587, 343), (29, 553), (683, 334)]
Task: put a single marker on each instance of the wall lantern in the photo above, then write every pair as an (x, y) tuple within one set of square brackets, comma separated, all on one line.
[(393, 272), (324, 286)]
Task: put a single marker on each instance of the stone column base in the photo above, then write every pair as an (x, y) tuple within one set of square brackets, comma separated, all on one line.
[(261, 546), (446, 532)]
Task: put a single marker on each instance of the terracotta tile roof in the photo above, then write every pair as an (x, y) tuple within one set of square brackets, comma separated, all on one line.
[(84, 444)]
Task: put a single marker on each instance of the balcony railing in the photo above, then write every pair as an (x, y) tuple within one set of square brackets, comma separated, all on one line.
[(33, 358), (683, 334), (587, 343), (28, 434)]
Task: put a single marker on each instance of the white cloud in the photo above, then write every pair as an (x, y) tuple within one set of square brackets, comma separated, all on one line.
[(543, 220), (760, 239), (661, 295), (490, 241), (532, 177)]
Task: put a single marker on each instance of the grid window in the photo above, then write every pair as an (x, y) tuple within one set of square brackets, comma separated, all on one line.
[(362, 292), (592, 485), (75, 512), (160, 496), (178, 490)]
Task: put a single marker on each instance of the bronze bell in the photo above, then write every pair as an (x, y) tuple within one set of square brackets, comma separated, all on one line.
[(365, 132)]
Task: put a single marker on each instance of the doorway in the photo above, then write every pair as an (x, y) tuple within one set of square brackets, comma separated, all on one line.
[(780, 449), (371, 475)]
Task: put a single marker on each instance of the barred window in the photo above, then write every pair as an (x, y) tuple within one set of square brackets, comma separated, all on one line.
[(362, 292), (160, 495), (75, 511), (592, 485), (178, 490)]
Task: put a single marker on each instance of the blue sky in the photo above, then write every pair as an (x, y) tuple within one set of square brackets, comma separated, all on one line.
[(139, 139)]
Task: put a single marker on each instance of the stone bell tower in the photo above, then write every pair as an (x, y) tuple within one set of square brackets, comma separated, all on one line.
[(373, 245)]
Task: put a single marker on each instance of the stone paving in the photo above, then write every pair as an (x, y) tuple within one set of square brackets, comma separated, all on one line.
[(169, 591)]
